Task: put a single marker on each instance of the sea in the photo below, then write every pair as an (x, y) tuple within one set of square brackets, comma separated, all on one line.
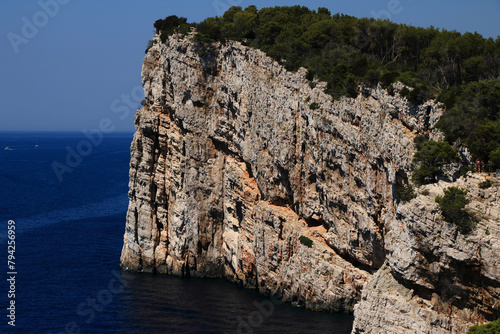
[(63, 203)]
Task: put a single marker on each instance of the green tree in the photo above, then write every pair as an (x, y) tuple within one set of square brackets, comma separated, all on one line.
[(452, 205), (474, 119), (495, 157), (209, 31), (491, 328), (245, 23), (238, 24), (431, 157), (170, 25), (406, 193)]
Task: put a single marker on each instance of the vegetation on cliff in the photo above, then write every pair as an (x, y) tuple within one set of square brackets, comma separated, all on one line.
[(305, 241), (431, 158), (491, 328), (473, 119), (405, 193), (460, 70), (170, 25), (452, 205)]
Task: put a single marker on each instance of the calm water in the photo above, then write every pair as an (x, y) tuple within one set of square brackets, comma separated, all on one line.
[(69, 234)]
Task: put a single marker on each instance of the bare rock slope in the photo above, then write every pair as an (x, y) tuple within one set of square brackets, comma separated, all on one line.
[(235, 158)]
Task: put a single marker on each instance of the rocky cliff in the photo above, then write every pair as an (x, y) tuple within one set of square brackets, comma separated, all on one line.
[(435, 279), (235, 158)]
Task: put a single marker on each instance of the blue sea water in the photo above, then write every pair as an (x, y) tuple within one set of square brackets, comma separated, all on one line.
[(69, 235)]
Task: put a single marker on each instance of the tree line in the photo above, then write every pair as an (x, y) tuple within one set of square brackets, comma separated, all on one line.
[(460, 70)]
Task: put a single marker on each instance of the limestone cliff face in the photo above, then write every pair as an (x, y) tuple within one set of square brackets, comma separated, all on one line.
[(436, 280), (235, 158)]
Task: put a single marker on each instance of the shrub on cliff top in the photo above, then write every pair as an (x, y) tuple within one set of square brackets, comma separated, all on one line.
[(491, 328), (170, 25), (452, 205)]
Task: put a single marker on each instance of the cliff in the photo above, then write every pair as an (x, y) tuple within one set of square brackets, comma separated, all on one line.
[(235, 158), (435, 279)]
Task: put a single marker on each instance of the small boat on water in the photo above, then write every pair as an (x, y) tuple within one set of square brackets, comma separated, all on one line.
[(7, 149)]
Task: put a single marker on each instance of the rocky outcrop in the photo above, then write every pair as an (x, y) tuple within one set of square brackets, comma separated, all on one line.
[(436, 279), (235, 158)]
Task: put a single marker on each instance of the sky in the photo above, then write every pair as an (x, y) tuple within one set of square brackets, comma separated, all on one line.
[(74, 65)]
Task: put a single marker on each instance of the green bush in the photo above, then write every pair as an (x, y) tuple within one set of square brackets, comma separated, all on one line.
[(491, 328), (431, 157), (390, 90), (486, 184), (313, 106), (405, 194), (466, 169), (305, 241), (419, 95), (452, 205), (209, 31), (404, 92), (372, 77), (388, 78)]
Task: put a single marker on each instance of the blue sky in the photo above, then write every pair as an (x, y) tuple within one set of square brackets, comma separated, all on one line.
[(65, 65)]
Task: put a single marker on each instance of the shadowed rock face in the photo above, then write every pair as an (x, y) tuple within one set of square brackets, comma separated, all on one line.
[(231, 164)]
